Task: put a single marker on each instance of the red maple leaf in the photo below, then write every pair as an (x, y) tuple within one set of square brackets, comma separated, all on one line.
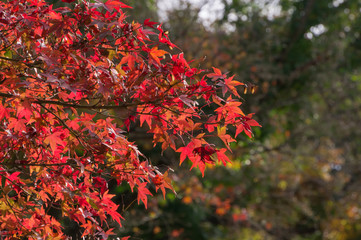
[(149, 23), (143, 193), (205, 153), (217, 74)]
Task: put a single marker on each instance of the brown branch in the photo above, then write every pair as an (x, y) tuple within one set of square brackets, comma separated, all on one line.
[(77, 136), (64, 104), (9, 59), (74, 105), (6, 95)]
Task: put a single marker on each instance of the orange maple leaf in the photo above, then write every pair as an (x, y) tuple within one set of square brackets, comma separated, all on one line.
[(155, 53), (54, 139)]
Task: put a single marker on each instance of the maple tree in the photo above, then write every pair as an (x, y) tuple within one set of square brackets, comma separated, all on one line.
[(74, 80)]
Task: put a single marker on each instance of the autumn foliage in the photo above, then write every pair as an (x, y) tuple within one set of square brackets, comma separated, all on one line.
[(74, 81)]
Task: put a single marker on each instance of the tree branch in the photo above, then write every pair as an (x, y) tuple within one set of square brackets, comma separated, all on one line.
[(74, 105)]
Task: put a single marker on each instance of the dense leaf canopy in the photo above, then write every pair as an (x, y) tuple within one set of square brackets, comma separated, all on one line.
[(75, 80)]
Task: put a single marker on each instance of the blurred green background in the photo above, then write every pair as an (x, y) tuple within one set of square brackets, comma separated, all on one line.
[(299, 178)]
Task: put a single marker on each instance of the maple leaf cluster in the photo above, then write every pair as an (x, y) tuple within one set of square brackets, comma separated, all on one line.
[(73, 81)]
